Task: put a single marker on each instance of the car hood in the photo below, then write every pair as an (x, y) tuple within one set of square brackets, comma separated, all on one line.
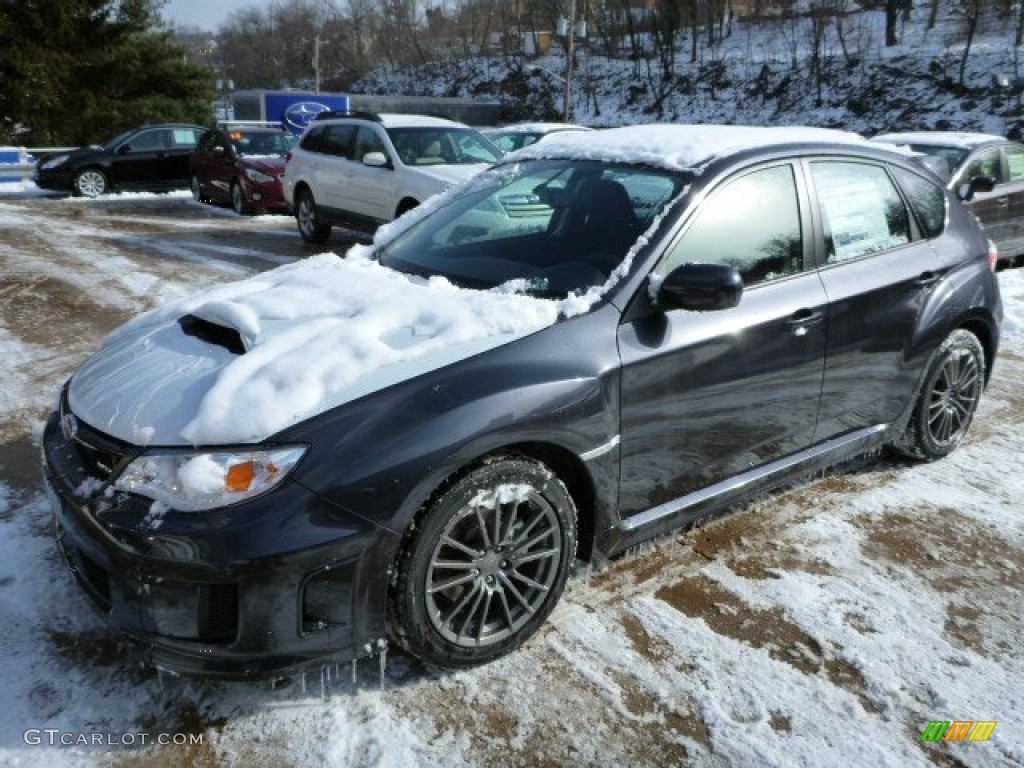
[(241, 362), (272, 165), (449, 173)]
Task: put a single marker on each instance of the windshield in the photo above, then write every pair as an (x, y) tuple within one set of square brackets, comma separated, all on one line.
[(262, 143), (562, 226), (114, 142), (442, 146)]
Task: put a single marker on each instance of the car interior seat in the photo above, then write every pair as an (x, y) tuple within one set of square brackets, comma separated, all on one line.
[(607, 224)]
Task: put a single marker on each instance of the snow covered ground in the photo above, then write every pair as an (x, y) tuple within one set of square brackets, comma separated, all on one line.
[(822, 626)]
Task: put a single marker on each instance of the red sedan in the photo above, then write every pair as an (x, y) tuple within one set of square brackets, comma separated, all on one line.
[(242, 166)]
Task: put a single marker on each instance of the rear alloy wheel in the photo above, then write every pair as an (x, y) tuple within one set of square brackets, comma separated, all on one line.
[(310, 228), (948, 399), (91, 182), (238, 202), (486, 565), (197, 189)]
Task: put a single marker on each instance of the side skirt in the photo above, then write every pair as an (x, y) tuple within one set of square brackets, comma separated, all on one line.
[(693, 506)]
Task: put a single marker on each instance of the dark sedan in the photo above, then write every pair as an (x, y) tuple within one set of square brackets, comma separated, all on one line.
[(241, 166), (152, 158), (606, 338), (962, 157)]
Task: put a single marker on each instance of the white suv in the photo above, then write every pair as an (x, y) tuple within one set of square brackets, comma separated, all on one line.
[(361, 170)]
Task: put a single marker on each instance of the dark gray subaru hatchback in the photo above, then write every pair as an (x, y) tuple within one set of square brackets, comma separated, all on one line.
[(604, 337)]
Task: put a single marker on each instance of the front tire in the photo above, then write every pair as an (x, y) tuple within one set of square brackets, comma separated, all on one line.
[(238, 202), (485, 565), (310, 226), (91, 182), (948, 399), (197, 189)]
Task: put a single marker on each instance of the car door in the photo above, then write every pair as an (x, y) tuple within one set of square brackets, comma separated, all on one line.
[(1013, 191), (139, 161), (706, 396), (877, 273), (218, 165), (174, 165), (371, 188), (331, 180), (991, 208)]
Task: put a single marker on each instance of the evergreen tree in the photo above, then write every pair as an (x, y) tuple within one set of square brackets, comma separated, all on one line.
[(76, 72)]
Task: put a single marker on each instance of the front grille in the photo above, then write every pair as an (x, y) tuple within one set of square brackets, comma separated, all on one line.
[(100, 456)]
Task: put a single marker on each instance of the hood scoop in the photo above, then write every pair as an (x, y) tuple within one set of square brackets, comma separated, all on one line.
[(212, 333)]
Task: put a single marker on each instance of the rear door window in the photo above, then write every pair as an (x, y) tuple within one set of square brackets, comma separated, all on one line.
[(861, 211)]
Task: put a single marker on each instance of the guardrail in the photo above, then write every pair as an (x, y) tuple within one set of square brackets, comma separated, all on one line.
[(19, 163)]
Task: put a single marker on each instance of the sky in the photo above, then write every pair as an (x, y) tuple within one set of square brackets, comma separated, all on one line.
[(206, 14)]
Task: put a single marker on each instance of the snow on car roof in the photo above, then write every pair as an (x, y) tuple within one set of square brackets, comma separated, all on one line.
[(962, 139), (540, 128), (394, 120), (676, 147)]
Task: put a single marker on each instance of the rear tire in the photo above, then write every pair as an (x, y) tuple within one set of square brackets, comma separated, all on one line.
[(91, 182), (948, 399), (310, 226), (485, 565)]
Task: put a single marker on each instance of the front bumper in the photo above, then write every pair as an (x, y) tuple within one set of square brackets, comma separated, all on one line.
[(59, 180), (281, 583)]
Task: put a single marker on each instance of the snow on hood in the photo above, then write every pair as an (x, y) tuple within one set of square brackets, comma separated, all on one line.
[(317, 334), (272, 164), (448, 173)]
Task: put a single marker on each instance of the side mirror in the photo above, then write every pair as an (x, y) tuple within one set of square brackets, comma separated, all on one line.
[(218, 151), (966, 192), (375, 159), (124, 149), (700, 287)]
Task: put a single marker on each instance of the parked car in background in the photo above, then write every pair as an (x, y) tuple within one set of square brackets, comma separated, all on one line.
[(512, 137), (962, 157), (243, 166), (150, 158), (605, 339), (362, 169)]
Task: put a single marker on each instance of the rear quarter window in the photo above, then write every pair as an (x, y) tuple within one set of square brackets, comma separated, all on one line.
[(927, 200)]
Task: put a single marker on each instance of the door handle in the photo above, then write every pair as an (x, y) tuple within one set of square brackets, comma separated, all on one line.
[(926, 278), (803, 319), (1003, 202)]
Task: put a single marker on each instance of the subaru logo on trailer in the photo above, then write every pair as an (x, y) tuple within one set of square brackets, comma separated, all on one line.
[(302, 113)]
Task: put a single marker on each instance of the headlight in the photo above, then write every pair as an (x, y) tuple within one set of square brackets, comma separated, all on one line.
[(53, 162), (259, 178), (190, 481)]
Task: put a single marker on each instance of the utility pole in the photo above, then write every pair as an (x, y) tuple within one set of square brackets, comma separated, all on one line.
[(316, 63), (566, 110)]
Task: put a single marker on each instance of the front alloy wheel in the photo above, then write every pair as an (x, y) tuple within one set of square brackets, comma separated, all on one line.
[(91, 182), (487, 565), (238, 203)]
